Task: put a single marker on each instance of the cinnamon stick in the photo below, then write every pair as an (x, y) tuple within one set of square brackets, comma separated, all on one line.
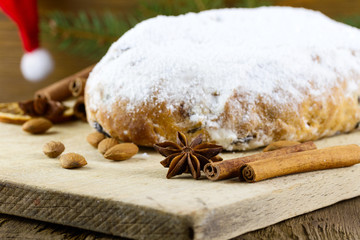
[(28, 107), (55, 111), (40, 106), (79, 109), (318, 159), (231, 168), (77, 86), (279, 144), (60, 91)]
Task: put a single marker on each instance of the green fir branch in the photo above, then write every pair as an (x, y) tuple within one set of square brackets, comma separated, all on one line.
[(353, 20), (253, 3), (90, 34), (177, 7), (87, 34)]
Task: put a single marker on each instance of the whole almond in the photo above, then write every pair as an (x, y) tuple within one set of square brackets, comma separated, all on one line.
[(95, 138), (53, 149), (36, 125), (72, 160), (279, 144), (106, 144), (121, 151)]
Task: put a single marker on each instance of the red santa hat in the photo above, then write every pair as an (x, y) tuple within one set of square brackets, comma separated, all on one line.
[(36, 62)]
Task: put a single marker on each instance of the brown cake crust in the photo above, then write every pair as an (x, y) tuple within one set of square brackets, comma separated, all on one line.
[(153, 122)]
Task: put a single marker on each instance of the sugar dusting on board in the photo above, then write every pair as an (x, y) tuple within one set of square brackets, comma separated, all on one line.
[(200, 60)]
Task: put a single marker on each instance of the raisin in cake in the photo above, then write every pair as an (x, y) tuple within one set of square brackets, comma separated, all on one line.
[(241, 77)]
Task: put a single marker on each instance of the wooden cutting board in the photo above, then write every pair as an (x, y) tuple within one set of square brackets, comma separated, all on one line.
[(134, 199)]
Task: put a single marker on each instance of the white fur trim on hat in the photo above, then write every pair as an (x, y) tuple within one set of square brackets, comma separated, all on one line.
[(36, 65)]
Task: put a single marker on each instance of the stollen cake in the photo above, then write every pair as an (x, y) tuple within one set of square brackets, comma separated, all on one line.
[(241, 77)]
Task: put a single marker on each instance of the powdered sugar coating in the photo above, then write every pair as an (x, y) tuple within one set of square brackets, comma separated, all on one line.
[(201, 59)]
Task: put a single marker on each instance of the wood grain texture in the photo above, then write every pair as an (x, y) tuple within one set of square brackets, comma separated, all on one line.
[(91, 213), (134, 199), (12, 227), (340, 221)]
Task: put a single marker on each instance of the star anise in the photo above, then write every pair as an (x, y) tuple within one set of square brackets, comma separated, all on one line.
[(184, 157)]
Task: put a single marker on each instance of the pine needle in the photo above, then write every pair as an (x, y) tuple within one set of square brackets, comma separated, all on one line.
[(86, 34), (90, 34), (353, 20)]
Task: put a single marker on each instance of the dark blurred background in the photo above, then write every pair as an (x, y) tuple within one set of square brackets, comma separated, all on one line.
[(14, 88)]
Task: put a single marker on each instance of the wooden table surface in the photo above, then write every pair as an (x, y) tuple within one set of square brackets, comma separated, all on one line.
[(339, 221), (134, 199)]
